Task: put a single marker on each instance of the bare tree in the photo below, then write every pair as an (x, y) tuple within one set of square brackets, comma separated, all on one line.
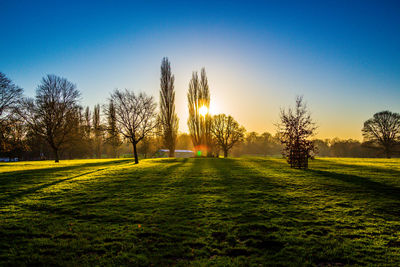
[(98, 131), (206, 118), (383, 130), (113, 137), (52, 113), (227, 132), (135, 115), (194, 122), (10, 95), (294, 130), (87, 137), (199, 124), (169, 121)]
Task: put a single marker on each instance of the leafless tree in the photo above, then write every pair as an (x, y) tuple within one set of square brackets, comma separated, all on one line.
[(87, 132), (168, 119), (294, 131), (206, 119), (98, 131), (227, 132), (10, 95), (135, 115), (194, 123), (52, 113), (198, 97), (113, 136), (383, 130)]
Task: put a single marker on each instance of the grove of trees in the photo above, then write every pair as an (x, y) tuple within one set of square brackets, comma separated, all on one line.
[(54, 125)]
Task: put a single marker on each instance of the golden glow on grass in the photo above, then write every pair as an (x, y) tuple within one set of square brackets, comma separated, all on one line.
[(203, 111)]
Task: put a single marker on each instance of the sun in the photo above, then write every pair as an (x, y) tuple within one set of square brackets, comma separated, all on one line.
[(203, 111)]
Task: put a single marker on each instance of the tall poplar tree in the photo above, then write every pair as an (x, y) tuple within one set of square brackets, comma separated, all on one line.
[(97, 130), (168, 119), (113, 137), (199, 124)]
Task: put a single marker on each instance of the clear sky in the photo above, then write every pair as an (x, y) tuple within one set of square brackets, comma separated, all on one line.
[(342, 56)]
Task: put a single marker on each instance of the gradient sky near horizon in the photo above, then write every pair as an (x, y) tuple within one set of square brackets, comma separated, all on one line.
[(342, 56)]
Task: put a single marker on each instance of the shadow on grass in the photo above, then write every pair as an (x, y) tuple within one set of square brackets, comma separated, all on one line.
[(16, 176), (364, 182), (378, 188), (10, 176), (187, 212), (359, 168), (383, 198), (43, 186), (118, 189), (15, 180), (253, 200), (174, 225)]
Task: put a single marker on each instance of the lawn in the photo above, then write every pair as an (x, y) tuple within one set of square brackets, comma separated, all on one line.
[(240, 211)]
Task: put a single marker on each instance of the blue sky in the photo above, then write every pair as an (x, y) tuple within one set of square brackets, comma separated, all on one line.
[(342, 56)]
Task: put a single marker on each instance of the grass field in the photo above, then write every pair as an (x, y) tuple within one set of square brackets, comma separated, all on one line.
[(244, 211)]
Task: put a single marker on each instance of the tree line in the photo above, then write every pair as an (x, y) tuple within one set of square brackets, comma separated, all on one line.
[(53, 124)]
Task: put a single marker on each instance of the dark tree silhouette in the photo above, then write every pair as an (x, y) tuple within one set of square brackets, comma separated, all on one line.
[(10, 96), (194, 100), (294, 130), (168, 119), (383, 130), (53, 112), (227, 132), (207, 119), (97, 131), (87, 132), (135, 115), (199, 125), (113, 138)]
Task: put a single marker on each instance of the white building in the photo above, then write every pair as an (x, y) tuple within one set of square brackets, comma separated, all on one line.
[(179, 153)]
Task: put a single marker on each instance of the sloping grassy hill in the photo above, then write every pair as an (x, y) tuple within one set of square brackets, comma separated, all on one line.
[(201, 212)]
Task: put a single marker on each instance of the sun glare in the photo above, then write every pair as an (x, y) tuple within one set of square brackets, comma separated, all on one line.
[(203, 111)]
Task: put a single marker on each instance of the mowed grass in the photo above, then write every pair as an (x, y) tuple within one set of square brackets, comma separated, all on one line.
[(242, 211)]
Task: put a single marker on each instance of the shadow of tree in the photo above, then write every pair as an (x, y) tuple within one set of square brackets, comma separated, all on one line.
[(342, 180), (32, 190), (44, 178), (364, 169)]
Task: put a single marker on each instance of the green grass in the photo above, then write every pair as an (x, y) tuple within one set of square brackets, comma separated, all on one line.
[(247, 211)]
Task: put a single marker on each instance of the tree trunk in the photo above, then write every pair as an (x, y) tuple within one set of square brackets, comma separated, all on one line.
[(135, 153), (225, 153), (56, 158), (171, 152), (388, 153)]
